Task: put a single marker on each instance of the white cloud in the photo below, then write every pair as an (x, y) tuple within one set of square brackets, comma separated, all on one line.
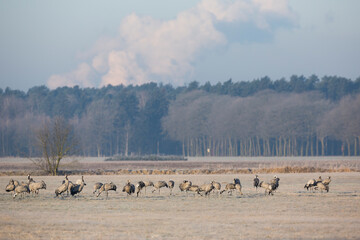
[(147, 49), (123, 69), (82, 76), (99, 63), (279, 7), (228, 10)]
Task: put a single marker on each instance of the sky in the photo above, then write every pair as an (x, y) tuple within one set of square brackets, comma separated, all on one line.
[(93, 43)]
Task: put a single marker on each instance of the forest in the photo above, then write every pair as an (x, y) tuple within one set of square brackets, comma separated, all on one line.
[(300, 116)]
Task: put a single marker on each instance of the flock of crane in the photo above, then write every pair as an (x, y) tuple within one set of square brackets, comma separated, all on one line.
[(185, 186)]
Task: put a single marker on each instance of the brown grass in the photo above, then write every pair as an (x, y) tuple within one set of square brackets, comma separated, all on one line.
[(285, 169), (221, 166)]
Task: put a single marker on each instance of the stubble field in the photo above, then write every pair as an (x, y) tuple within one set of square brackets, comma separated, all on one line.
[(292, 213)]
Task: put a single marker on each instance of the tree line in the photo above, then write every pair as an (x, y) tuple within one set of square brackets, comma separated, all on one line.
[(302, 116)]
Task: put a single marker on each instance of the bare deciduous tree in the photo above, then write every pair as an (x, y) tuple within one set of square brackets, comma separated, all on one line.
[(56, 141)]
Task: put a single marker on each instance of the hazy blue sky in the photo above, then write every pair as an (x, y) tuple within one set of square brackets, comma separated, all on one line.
[(93, 43)]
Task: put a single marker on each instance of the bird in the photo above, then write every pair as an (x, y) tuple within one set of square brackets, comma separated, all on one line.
[(256, 182), (159, 185), (129, 188)]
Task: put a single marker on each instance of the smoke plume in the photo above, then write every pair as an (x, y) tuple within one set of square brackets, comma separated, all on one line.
[(146, 49)]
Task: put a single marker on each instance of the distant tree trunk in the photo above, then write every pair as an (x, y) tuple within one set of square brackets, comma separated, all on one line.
[(307, 147), (230, 147), (223, 148), (348, 147), (192, 147), (355, 147), (302, 148), (204, 146), (322, 141), (200, 147), (250, 147), (236, 147), (289, 152), (246, 151), (216, 145), (98, 150), (3, 143), (311, 146), (284, 144), (117, 144), (259, 152), (268, 151), (241, 148), (253, 146), (295, 153), (196, 147), (126, 143), (183, 148), (158, 148), (188, 147)]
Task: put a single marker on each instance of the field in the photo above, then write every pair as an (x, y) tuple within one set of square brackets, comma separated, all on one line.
[(292, 213), (194, 165)]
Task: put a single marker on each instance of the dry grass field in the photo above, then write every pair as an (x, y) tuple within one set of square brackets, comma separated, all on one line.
[(194, 165), (292, 213)]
